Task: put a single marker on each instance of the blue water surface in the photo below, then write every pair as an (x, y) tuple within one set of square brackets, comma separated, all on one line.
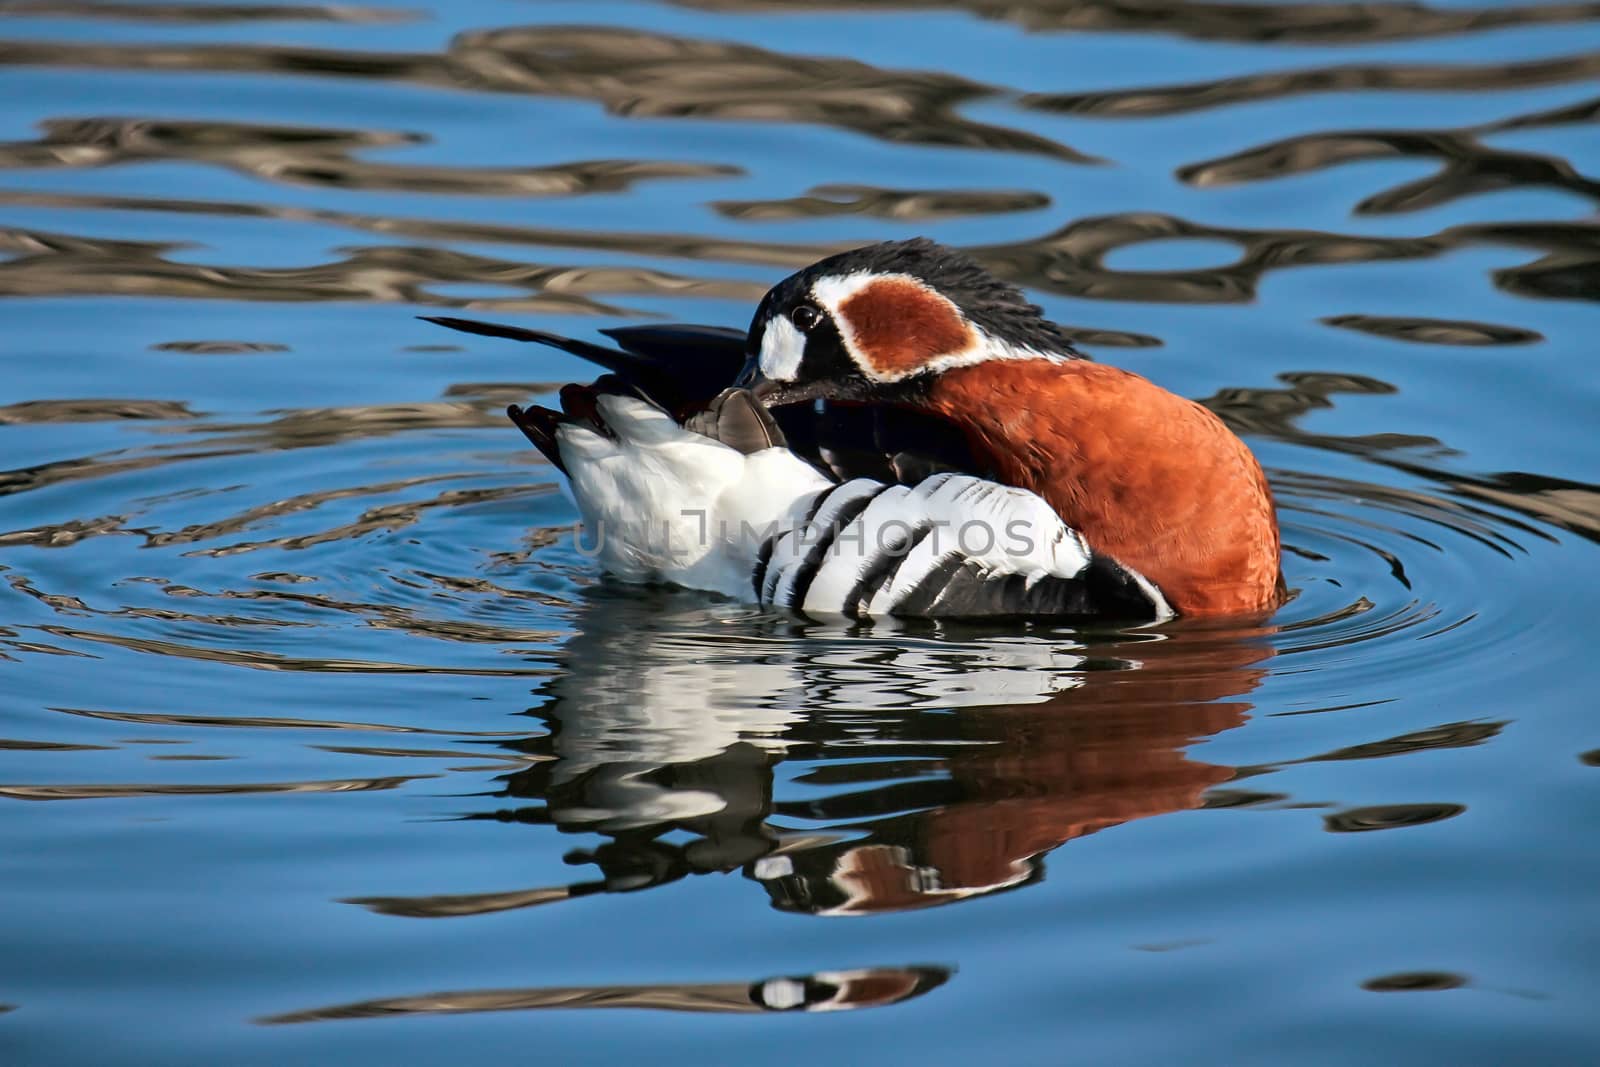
[(321, 740)]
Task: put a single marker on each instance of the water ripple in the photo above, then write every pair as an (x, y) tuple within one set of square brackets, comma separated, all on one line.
[(174, 789), (302, 155), (1297, 23), (1355, 77), (1467, 166), (207, 14), (1435, 331), (825, 201), (631, 72)]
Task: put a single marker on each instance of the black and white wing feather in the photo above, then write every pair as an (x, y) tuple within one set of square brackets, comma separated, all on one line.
[(953, 546)]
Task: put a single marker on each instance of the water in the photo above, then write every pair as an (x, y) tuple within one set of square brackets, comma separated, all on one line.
[(321, 741)]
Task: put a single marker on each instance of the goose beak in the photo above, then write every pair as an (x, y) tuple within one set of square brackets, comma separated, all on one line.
[(759, 385)]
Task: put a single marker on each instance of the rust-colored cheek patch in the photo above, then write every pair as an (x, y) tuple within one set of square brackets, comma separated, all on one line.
[(898, 326)]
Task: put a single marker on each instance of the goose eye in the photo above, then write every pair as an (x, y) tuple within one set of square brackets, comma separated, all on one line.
[(805, 317)]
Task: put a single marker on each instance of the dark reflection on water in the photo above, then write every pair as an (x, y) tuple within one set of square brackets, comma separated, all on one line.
[(1402, 77), (219, 348), (630, 72), (650, 75), (102, 792), (828, 200), (1274, 413), (986, 755), (253, 722), (48, 264), (1300, 23), (298, 155), (206, 13), (93, 410), (313, 428), (1069, 262), (1389, 817), (286, 604), (1467, 165), (1435, 331), (654, 75), (1450, 735), (1415, 982), (822, 991)]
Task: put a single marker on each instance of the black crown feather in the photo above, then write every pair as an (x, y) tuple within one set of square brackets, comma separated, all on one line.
[(999, 308)]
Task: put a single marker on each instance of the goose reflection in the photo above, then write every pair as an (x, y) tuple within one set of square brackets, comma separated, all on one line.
[(861, 771), (1020, 779), (867, 987)]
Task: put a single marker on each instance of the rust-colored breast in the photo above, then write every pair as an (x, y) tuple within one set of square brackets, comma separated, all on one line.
[(1148, 477), (897, 326)]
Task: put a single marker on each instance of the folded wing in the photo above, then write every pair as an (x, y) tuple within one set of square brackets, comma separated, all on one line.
[(720, 504)]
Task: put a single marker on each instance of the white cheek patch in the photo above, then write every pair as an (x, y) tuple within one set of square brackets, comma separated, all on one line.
[(782, 348)]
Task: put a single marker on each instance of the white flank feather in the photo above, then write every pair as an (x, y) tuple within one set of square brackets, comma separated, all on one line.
[(664, 503)]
